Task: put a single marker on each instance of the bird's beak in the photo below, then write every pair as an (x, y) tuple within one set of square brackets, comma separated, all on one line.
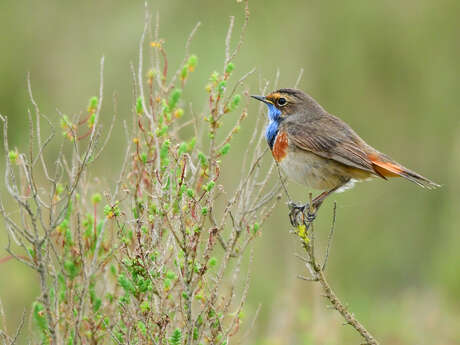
[(261, 98)]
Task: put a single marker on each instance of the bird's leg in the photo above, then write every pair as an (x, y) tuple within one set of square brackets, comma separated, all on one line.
[(308, 213), (316, 203)]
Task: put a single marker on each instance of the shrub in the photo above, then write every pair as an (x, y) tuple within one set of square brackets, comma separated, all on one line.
[(154, 259)]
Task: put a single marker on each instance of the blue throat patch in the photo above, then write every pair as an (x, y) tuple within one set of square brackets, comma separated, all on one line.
[(274, 117)]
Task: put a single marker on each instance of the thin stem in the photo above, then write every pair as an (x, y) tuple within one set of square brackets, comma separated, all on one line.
[(317, 275)]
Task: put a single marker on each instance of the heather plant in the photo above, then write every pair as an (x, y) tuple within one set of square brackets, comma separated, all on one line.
[(158, 255)]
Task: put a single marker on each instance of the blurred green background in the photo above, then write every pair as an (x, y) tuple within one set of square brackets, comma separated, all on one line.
[(389, 68)]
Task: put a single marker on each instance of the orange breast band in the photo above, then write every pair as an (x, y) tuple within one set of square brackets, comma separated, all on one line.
[(280, 146)]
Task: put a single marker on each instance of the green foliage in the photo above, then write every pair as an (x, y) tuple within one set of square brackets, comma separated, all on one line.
[(182, 149), (189, 66), (192, 62), (144, 306), (138, 265), (209, 186), (164, 153), (162, 131), (174, 99), (176, 337), (203, 159), (38, 311), (144, 157), (171, 275), (96, 198), (221, 87), (112, 211), (13, 156), (59, 188), (39, 316), (126, 284), (230, 68), (224, 150), (91, 120), (95, 301), (236, 99), (139, 106), (142, 328), (190, 192), (92, 105), (71, 268), (212, 262)]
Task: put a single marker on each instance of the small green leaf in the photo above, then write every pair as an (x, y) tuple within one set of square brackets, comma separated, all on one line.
[(184, 72), (13, 156), (164, 153), (190, 192), (126, 284), (209, 186), (96, 198), (230, 68), (182, 149), (139, 106), (176, 337), (171, 275), (144, 157), (224, 150), (235, 102), (145, 306), (93, 102), (203, 159), (212, 262), (59, 188), (40, 319), (71, 268), (221, 86), (192, 62), (142, 328), (174, 98)]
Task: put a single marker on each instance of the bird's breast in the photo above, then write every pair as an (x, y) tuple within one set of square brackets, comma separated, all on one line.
[(280, 146), (310, 169)]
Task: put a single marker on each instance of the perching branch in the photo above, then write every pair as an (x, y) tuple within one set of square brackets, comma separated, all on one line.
[(306, 234)]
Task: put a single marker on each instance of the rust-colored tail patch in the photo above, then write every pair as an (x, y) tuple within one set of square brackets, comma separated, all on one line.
[(386, 168), (280, 146)]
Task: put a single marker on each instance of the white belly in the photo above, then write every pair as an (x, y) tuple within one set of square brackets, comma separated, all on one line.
[(313, 171)]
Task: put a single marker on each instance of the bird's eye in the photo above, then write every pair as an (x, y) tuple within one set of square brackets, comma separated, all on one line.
[(281, 101)]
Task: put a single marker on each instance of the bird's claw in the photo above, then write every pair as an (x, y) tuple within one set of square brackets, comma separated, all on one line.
[(301, 211), (311, 216), (295, 211)]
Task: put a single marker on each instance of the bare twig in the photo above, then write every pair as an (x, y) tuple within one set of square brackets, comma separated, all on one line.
[(330, 236), (317, 275)]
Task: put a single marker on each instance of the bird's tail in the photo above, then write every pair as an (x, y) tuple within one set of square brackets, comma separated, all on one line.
[(386, 167)]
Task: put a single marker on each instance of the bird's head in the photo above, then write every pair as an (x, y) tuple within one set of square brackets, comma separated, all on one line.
[(285, 102)]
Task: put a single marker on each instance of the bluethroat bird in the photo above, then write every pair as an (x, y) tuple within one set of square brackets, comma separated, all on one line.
[(319, 150)]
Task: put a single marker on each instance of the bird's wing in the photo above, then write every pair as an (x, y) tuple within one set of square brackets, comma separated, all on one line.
[(331, 138)]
